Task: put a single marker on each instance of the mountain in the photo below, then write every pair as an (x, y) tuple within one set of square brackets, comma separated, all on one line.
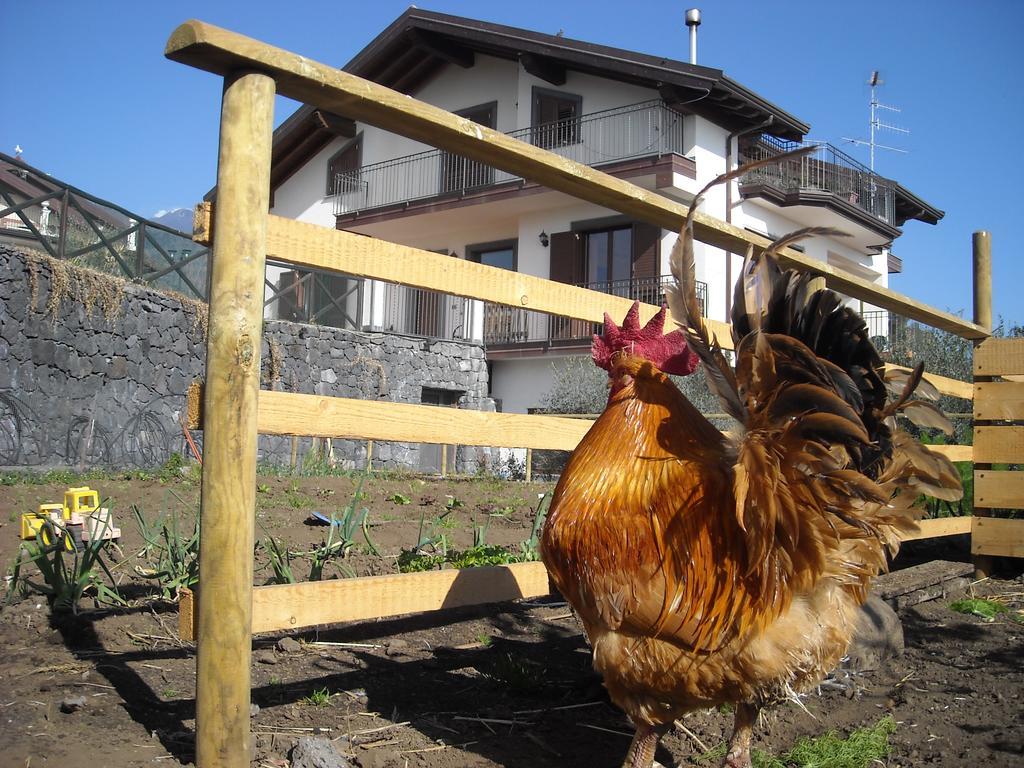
[(178, 218)]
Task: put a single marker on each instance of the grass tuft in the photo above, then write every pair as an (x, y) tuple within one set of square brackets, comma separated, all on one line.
[(977, 606), (863, 748)]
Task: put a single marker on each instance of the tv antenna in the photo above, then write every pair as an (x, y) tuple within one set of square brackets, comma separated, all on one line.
[(877, 124)]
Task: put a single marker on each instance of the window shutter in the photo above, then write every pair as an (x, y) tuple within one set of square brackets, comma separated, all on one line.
[(646, 250), (566, 258)]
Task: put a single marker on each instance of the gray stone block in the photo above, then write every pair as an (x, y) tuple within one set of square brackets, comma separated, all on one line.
[(879, 636)]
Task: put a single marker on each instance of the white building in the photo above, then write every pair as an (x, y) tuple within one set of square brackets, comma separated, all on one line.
[(664, 125)]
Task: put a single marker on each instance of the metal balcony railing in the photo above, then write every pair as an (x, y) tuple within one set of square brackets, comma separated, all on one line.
[(639, 130), (511, 325), (419, 312), (825, 169)]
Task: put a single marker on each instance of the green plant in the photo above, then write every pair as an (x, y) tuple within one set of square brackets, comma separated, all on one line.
[(296, 499), (411, 561), (262, 488), (529, 550), (173, 555), (320, 697), (863, 748), (481, 556), (280, 559), (352, 520), (976, 606), (451, 502), (516, 674), (69, 569), (171, 469), (399, 498), (430, 550)]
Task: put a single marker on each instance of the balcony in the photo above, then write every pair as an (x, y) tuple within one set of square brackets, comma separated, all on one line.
[(825, 170), (648, 129), (511, 326)]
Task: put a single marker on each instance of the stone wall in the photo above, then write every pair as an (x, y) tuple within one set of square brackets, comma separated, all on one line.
[(94, 371)]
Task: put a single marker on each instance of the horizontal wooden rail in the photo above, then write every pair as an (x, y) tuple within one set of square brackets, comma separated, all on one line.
[(998, 444), (998, 489), (945, 385), (997, 537), (939, 526), (223, 52), (1000, 358), (312, 603), (316, 247), (290, 413), (998, 400)]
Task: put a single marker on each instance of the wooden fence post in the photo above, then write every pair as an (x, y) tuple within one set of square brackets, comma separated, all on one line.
[(982, 262), (224, 636), (981, 247)]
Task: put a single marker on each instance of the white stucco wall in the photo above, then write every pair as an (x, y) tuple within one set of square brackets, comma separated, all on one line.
[(522, 383)]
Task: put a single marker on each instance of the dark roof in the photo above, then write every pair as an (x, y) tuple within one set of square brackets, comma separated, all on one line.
[(910, 206), (419, 43)]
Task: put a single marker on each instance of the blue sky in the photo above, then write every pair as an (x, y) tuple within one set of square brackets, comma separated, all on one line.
[(91, 99)]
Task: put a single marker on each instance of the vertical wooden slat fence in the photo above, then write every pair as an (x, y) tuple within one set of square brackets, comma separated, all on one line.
[(998, 451), (234, 411)]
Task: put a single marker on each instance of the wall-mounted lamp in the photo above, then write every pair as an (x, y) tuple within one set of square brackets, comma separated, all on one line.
[(544, 239)]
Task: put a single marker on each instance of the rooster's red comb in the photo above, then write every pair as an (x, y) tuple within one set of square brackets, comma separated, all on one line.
[(668, 351)]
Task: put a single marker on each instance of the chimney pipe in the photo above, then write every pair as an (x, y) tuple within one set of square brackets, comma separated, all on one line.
[(693, 21)]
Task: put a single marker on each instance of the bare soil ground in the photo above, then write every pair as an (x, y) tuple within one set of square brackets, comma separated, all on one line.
[(507, 685)]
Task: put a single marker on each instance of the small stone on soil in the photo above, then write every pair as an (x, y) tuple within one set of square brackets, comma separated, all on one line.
[(313, 752), (72, 704), (289, 645), (396, 647)]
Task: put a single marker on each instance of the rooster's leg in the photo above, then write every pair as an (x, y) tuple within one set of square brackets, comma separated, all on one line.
[(739, 745), (645, 742)]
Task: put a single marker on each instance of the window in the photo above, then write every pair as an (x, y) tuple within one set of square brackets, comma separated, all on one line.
[(609, 257), (556, 118), (459, 173), (343, 174), (500, 254)]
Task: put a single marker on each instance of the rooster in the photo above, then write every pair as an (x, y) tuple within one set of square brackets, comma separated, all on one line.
[(710, 567)]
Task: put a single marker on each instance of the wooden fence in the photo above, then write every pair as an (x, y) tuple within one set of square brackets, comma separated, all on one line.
[(234, 410)]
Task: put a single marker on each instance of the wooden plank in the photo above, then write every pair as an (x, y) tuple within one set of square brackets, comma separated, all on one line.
[(997, 537), (312, 603), (954, 452), (947, 386), (309, 245), (998, 444), (998, 489), (995, 400), (998, 357), (939, 526), (288, 413), (220, 51)]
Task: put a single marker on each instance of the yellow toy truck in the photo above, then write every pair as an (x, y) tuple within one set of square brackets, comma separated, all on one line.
[(80, 515)]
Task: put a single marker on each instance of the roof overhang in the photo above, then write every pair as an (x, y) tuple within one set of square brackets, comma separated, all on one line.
[(419, 42), (910, 206)]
